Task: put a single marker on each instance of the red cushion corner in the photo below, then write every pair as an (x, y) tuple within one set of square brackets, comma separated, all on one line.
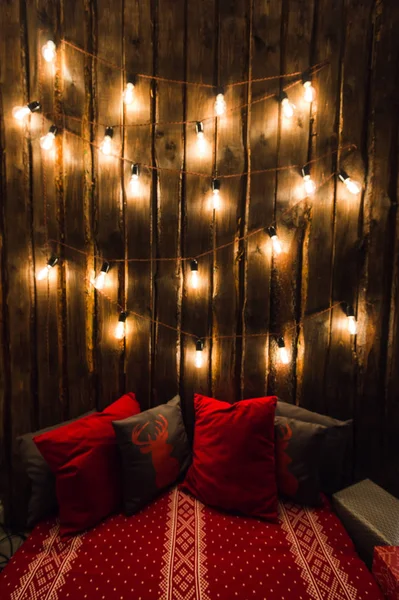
[(83, 455)]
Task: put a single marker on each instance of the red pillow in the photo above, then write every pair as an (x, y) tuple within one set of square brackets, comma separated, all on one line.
[(83, 455), (233, 464)]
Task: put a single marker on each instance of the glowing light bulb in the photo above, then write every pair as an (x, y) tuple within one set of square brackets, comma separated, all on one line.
[(220, 105), (47, 141), (43, 273), (128, 94), (120, 329), (21, 112), (287, 106), (134, 178), (194, 274), (283, 352), (216, 194), (308, 183), (309, 91), (352, 186), (201, 143), (99, 281), (352, 324), (277, 247), (49, 51), (106, 144), (199, 347)]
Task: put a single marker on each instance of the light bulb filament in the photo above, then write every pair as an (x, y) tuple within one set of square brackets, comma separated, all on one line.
[(128, 94), (47, 141), (106, 144), (287, 106), (309, 185), (220, 105), (352, 186), (277, 244), (309, 93), (120, 329), (49, 51), (283, 352), (352, 325), (199, 347)]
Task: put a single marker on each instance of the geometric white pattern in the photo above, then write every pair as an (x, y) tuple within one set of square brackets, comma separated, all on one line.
[(46, 573), (321, 569), (184, 561)]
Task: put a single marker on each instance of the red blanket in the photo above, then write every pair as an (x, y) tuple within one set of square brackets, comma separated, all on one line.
[(178, 549)]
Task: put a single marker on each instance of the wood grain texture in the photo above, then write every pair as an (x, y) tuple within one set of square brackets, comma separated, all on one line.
[(378, 233), (197, 222), (78, 186), (5, 375), (169, 153), (17, 211), (319, 256), (230, 158), (260, 203), (42, 23), (139, 55), (108, 224), (296, 32), (341, 366)]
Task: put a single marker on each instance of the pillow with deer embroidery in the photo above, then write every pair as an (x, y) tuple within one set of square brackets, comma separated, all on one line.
[(298, 449), (155, 452)]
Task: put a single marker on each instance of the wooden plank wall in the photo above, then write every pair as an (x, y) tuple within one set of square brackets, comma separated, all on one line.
[(58, 354)]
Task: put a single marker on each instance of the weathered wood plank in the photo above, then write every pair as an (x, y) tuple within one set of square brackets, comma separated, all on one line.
[(5, 375), (17, 211), (77, 102), (341, 364), (197, 213), (286, 305), (138, 146), (378, 235), (316, 331), (169, 153), (230, 155), (43, 25), (263, 147), (109, 228), (390, 470)]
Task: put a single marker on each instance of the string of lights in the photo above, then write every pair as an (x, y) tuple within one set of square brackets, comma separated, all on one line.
[(270, 229), (220, 109), (193, 277), (137, 166), (50, 49), (124, 312)]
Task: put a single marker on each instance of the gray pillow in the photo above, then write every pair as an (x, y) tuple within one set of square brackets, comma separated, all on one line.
[(155, 452), (337, 459), (43, 499)]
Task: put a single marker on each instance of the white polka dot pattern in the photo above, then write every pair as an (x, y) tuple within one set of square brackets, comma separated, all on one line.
[(178, 549)]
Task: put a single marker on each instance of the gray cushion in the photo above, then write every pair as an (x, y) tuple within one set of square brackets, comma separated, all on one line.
[(336, 462), (43, 499), (370, 515), (155, 452), (298, 448)]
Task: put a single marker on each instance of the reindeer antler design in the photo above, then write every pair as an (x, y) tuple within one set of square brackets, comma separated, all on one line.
[(165, 465), (161, 429), (137, 431)]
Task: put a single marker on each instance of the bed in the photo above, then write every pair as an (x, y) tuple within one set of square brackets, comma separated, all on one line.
[(177, 548)]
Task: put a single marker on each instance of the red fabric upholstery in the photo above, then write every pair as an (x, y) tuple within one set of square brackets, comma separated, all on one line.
[(84, 458), (233, 456), (177, 548)]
